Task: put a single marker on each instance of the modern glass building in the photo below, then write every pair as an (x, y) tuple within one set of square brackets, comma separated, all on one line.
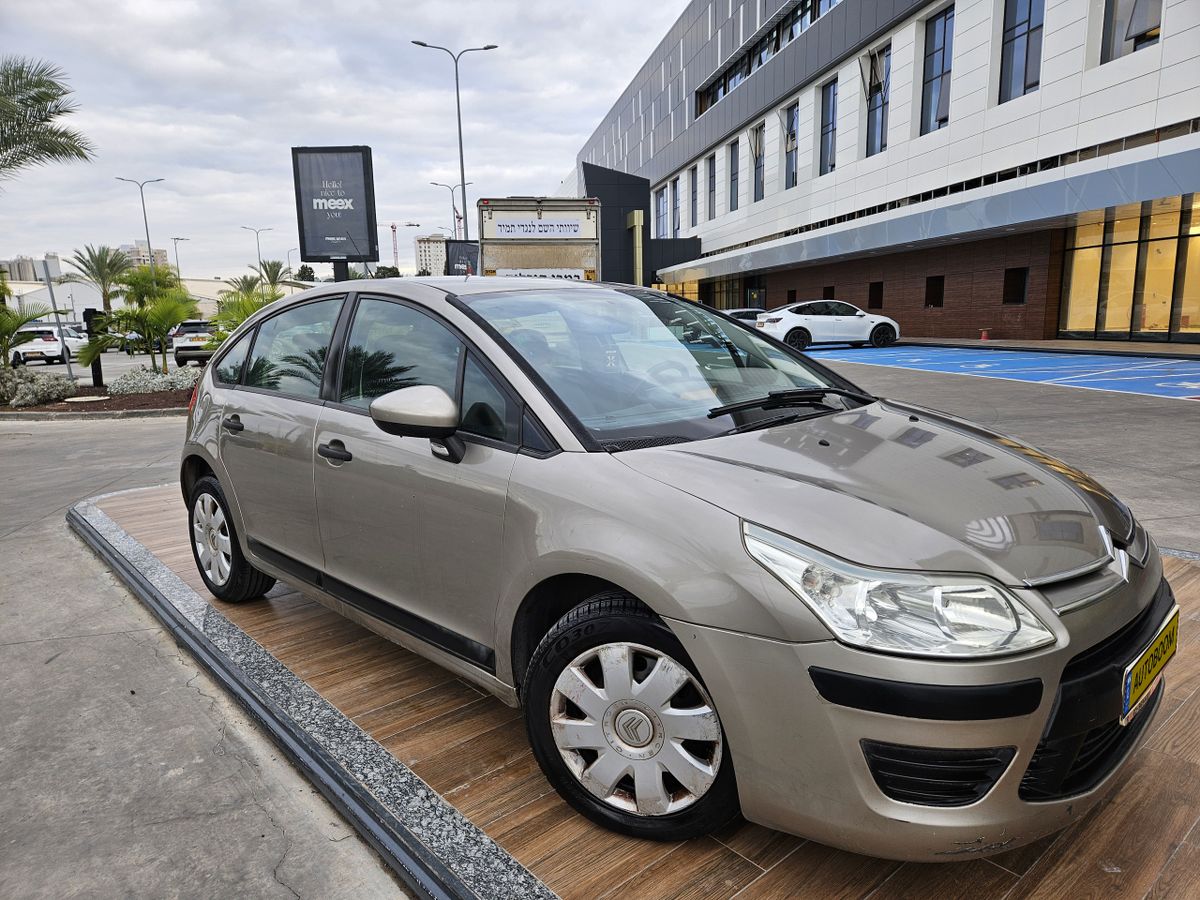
[(1025, 166)]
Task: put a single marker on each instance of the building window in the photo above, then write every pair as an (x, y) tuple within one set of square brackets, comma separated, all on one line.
[(875, 295), (935, 290), (1015, 282), (1134, 272), (877, 100), (712, 187), (792, 124), (693, 176), (791, 295), (675, 207), (935, 91), (828, 127), (1129, 25), (829, 292), (733, 176), (1021, 52), (660, 213), (758, 140)]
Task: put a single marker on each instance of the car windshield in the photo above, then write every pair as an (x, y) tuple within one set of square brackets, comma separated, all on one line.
[(637, 367)]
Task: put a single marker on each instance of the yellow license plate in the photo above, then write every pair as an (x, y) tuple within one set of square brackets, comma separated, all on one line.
[(1141, 674)]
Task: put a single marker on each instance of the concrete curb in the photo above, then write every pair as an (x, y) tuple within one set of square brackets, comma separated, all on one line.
[(101, 414), (1082, 351)]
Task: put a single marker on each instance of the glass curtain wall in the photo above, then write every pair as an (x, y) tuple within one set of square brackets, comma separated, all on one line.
[(1133, 273)]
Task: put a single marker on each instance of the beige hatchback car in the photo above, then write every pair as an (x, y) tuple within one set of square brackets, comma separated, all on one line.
[(716, 575)]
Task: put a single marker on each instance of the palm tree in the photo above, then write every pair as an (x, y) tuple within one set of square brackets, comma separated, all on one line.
[(144, 283), (33, 97), (102, 267), (274, 274), (11, 323), (153, 321), (243, 284)]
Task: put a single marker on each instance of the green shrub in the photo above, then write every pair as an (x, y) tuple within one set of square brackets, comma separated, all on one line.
[(21, 387)]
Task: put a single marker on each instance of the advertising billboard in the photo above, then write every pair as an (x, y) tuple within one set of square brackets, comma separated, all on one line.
[(335, 204), (462, 258)]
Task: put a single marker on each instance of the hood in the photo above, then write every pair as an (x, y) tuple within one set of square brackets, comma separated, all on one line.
[(902, 487)]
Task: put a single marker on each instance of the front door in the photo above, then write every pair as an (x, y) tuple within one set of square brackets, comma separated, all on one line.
[(408, 536), (267, 428), (848, 324)]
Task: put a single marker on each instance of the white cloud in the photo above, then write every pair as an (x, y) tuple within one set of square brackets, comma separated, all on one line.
[(211, 96)]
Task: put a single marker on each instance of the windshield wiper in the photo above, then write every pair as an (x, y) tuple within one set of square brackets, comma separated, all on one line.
[(788, 419), (794, 397)]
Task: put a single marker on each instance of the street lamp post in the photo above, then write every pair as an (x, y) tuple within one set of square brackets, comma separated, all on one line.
[(175, 241), (146, 221), (462, 169), (262, 288), (453, 208)]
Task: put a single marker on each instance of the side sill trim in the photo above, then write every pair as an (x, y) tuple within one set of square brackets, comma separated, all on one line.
[(430, 632), (946, 703)]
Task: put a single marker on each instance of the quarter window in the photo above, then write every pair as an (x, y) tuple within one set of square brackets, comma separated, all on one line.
[(290, 349), (935, 90), (1021, 53), (394, 346), (486, 409), (228, 369)]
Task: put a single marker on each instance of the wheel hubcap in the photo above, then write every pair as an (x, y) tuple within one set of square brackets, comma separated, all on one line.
[(210, 533), (636, 728)]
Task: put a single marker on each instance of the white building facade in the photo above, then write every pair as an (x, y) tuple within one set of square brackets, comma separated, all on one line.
[(431, 253), (139, 254), (1026, 166)]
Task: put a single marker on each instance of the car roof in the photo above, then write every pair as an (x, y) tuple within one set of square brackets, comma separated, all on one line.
[(462, 285)]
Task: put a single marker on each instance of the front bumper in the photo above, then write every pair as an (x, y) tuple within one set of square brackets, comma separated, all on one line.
[(811, 766)]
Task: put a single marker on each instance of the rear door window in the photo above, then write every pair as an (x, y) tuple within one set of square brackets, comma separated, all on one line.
[(289, 352)]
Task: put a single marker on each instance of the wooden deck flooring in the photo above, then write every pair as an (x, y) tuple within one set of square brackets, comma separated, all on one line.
[(471, 748)]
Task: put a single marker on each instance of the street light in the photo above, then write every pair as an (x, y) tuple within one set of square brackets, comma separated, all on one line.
[(145, 221), (175, 241), (453, 208), (462, 170), (262, 288)]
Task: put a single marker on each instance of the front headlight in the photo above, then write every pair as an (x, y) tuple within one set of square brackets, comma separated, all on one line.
[(900, 612)]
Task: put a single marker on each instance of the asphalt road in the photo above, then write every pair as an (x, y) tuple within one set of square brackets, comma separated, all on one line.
[(126, 771)]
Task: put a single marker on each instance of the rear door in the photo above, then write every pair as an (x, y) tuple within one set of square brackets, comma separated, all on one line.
[(267, 430), (408, 536), (817, 321)]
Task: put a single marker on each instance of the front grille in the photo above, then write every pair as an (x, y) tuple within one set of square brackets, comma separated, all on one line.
[(1076, 763), (1084, 739), (935, 777)]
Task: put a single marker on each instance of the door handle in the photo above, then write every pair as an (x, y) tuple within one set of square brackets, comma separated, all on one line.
[(336, 451), (232, 423)]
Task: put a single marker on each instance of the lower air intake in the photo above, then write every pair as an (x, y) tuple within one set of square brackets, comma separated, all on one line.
[(931, 776)]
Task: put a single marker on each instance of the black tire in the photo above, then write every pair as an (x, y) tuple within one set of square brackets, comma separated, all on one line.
[(179, 364), (882, 335), (798, 339), (609, 617), (856, 344), (17, 360), (244, 581)]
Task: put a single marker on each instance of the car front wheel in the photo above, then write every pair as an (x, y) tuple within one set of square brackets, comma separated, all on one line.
[(623, 727), (882, 335), (226, 573)]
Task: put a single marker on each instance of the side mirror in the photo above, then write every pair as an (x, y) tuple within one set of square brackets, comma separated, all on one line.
[(419, 411), (860, 315)]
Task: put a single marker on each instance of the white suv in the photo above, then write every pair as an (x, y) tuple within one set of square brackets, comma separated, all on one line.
[(46, 346), (827, 322)]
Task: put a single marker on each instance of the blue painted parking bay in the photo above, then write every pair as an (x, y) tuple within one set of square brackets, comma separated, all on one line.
[(1157, 377)]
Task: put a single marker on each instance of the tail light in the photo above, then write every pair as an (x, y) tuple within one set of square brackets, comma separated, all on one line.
[(195, 394), (774, 320), (48, 337)]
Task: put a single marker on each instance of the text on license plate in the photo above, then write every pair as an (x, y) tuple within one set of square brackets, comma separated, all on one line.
[(1142, 672)]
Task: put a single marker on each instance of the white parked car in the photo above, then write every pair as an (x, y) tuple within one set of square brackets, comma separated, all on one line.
[(47, 345), (827, 322), (190, 341)]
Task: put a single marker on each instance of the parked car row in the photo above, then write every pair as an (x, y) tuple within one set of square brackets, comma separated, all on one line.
[(822, 322), (189, 340), (688, 550), (48, 344)]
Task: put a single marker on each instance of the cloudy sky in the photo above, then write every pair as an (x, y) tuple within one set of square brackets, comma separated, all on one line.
[(211, 94)]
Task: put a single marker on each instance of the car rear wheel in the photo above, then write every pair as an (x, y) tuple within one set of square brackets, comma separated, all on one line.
[(17, 360), (798, 339), (882, 335), (226, 573), (624, 728)]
